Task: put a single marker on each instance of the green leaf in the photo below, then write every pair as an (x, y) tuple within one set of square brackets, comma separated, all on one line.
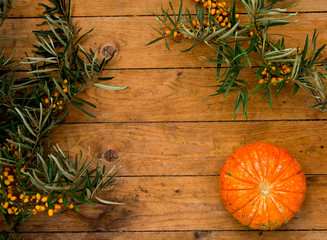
[(107, 202), (189, 49), (244, 54), (86, 102), (296, 88), (237, 104), (105, 78), (245, 101), (77, 105), (111, 88)]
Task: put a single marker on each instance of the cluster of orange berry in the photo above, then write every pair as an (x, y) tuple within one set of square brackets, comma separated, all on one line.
[(58, 105), (9, 178), (16, 203), (285, 70), (40, 204), (11, 149), (177, 34), (217, 9)]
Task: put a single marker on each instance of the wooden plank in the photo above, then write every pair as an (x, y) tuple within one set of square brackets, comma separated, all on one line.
[(191, 148), (130, 35), (31, 8), (183, 95), (172, 203), (189, 235)]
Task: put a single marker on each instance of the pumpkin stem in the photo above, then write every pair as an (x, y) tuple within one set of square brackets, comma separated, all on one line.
[(264, 188)]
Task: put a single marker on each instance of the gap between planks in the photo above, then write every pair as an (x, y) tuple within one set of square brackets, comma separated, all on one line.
[(143, 8), (182, 235)]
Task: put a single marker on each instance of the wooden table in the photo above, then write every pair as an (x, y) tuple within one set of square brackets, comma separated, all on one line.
[(169, 137)]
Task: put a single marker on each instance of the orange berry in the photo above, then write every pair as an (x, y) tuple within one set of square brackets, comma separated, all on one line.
[(5, 205), (38, 196), (213, 11), (50, 212)]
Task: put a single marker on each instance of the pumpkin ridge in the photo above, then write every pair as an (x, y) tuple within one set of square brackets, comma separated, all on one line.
[(280, 202), (271, 173), (260, 165), (285, 179), (276, 177), (240, 208), (266, 200), (285, 191), (253, 200), (255, 184), (252, 164), (267, 171), (256, 211), (244, 169), (273, 201)]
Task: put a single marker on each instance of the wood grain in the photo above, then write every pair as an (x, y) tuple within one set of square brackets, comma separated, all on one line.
[(170, 139), (130, 35), (31, 8), (172, 203), (192, 148), (183, 95), (189, 235)]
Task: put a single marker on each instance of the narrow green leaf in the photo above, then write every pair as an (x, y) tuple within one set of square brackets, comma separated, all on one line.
[(107, 202), (111, 88)]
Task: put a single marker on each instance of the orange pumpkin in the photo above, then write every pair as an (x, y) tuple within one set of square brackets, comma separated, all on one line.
[(262, 185)]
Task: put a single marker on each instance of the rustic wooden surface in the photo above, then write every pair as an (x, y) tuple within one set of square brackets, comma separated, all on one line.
[(170, 138)]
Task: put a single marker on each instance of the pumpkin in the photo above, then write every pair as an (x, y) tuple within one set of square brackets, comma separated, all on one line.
[(262, 185)]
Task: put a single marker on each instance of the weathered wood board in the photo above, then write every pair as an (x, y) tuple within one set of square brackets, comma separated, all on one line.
[(173, 203), (169, 137)]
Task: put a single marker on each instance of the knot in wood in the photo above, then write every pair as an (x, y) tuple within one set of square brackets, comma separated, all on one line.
[(110, 155), (108, 50)]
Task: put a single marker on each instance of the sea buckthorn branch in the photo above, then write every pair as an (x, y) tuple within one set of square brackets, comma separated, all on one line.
[(239, 46), (33, 177), (5, 6)]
